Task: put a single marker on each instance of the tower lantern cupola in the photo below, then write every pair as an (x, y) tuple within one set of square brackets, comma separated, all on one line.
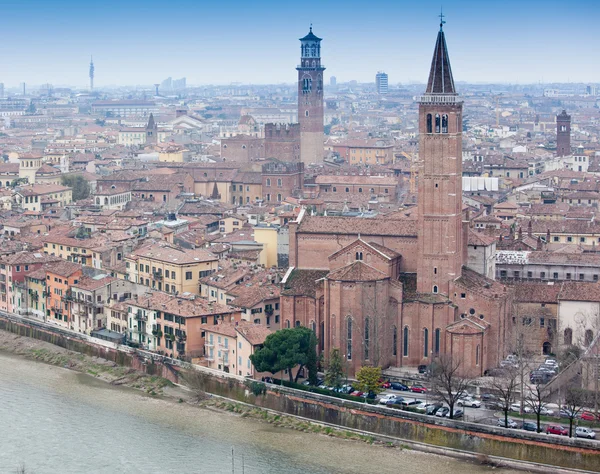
[(310, 50)]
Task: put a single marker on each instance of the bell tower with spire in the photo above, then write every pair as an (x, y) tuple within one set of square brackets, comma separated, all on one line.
[(310, 99), (440, 177)]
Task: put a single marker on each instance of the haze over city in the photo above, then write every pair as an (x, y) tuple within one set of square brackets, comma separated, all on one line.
[(141, 42)]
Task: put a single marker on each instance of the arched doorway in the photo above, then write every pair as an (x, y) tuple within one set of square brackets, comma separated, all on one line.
[(546, 348)]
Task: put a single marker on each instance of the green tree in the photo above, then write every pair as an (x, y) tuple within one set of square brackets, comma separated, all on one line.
[(368, 379), (79, 185), (287, 349), (335, 369)]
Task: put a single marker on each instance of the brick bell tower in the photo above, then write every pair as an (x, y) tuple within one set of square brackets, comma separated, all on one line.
[(440, 177), (310, 99), (563, 134)]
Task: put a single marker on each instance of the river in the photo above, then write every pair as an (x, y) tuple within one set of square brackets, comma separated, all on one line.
[(53, 420)]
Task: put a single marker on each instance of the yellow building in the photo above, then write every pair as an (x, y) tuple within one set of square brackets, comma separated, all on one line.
[(171, 153), (228, 224), (137, 136), (39, 197), (171, 269), (267, 236), (29, 163), (371, 151)]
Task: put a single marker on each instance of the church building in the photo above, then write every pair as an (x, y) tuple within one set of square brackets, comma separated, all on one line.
[(395, 290)]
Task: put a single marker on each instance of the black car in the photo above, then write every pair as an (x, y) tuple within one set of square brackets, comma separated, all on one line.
[(422, 369), (457, 414), (431, 409), (398, 386), (488, 396), (529, 426)]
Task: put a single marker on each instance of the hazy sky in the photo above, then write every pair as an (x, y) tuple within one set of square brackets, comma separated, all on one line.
[(219, 42)]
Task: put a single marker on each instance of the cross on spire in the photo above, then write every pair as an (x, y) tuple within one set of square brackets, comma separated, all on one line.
[(441, 15), (311, 27)]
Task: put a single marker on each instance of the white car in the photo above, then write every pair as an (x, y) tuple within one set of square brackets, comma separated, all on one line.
[(584, 432), (388, 399), (517, 407), (422, 406), (546, 411), (510, 423), (469, 402)]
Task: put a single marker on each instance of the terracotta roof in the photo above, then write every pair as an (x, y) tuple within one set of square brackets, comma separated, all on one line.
[(63, 268), (474, 281), (303, 282), (255, 293), (579, 291), (358, 225), (173, 255), (191, 307), (479, 238), (255, 334), (90, 284), (357, 271), (537, 292)]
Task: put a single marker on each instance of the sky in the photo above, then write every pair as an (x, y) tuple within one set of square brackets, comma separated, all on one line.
[(256, 42)]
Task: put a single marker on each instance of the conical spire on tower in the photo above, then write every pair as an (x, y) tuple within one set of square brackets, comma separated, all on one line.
[(440, 74)]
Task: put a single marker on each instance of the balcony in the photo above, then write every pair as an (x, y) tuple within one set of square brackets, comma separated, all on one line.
[(141, 317), (209, 344), (223, 348), (157, 276)]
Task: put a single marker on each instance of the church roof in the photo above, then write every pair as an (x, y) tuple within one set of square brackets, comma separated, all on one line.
[(357, 271), (151, 123), (311, 36), (440, 74)]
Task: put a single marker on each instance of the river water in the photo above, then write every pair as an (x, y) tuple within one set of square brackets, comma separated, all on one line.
[(53, 420)]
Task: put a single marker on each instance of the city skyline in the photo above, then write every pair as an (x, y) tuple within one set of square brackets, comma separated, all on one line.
[(491, 43)]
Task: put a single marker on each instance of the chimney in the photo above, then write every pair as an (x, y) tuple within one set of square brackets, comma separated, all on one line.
[(530, 228), (539, 243)]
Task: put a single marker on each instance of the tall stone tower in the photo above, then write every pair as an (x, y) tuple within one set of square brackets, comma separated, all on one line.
[(151, 131), (91, 73), (310, 100), (563, 134), (440, 177)]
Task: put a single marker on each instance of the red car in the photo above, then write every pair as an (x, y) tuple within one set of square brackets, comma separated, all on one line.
[(385, 383), (557, 430), (587, 416), (418, 388)]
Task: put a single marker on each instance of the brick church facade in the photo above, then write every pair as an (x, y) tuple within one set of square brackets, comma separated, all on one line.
[(394, 290)]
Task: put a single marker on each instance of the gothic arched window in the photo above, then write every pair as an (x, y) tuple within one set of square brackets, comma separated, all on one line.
[(405, 341), (425, 342), (437, 123), (477, 355), (436, 341), (568, 337), (367, 335), (444, 123), (394, 340), (349, 338), (429, 123)]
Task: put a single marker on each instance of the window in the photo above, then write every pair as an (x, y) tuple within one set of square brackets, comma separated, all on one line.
[(360, 190), (477, 355), (425, 342), (436, 342), (569, 239), (529, 274), (556, 239), (542, 275), (472, 311), (188, 275), (589, 337), (435, 270), (542, 322), (349, 338), (429, 124), (347, 190), (568, 336), (359, 255), (581, 239), (516, 274), (463, 295), (435, 288), (405, 341), (279, 182), (394, 340), (595, 277), (437, 123), (444, 123), (268, 181), (367, 338), (502, 273), (555, 275)]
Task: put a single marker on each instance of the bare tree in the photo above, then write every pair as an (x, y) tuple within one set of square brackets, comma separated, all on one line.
[(575, 400), (449, 382), (506, 386), (196, 382), (537, 398)]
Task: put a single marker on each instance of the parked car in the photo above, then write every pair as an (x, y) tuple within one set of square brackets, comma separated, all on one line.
[(442, 412), (357, 393), (488, 397), (546, 411), (529, 426), (410, 403), (417, 388), (431, 409), (585, 432), (494, 405), (422, 369), (421, 406), (398, 386), (510, 423), (565, 413), (508, 363), (457, 414), (538, 377), (469, 402), (557, 430), (588, 416), (384, 383), (389, 399), (517, 407), (551, 362)]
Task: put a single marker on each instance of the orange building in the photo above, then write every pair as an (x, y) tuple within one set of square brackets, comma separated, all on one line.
[(59, 278)]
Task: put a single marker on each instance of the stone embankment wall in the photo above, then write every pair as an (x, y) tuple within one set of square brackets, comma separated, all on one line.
[(475, 438)]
